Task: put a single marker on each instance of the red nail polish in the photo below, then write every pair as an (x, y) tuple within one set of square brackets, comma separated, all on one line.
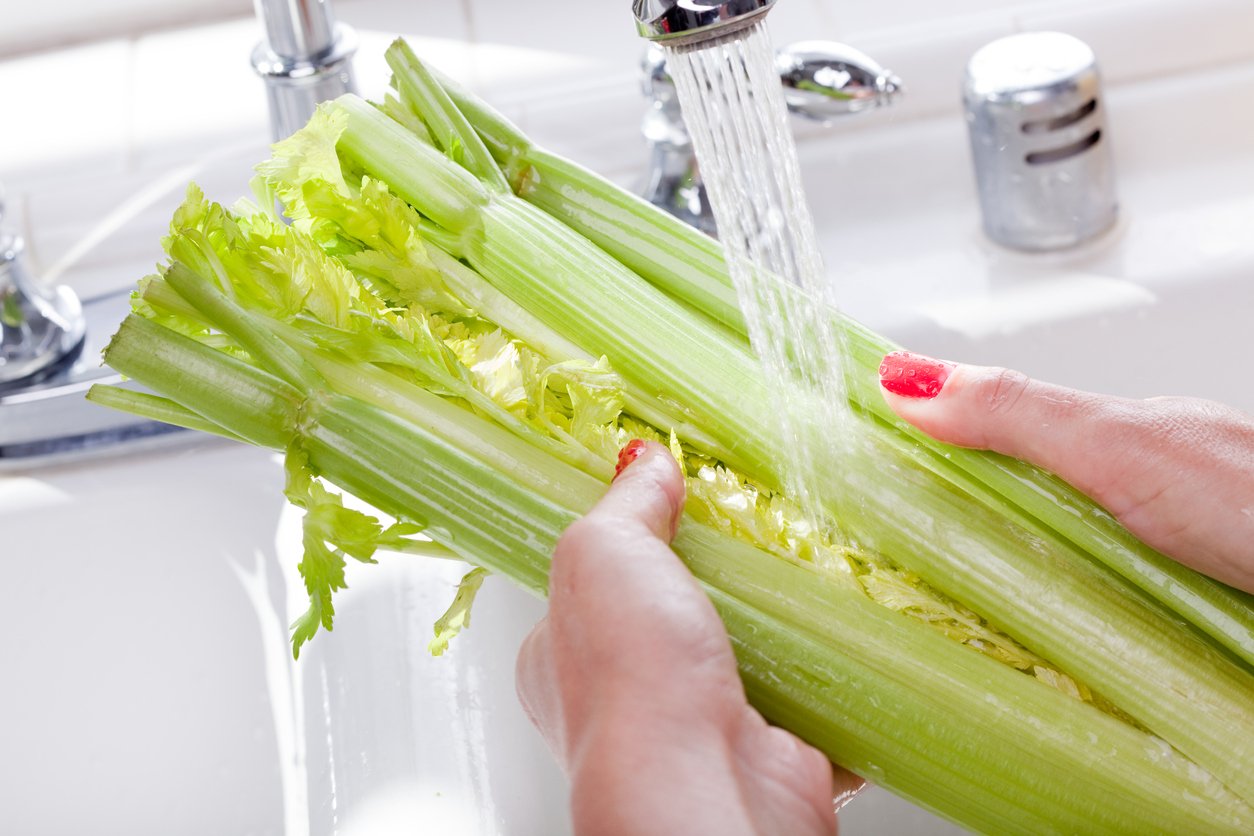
[(630, 452), (913, 375)]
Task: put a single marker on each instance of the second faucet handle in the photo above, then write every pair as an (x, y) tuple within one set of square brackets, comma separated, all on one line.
[(825, 79), (822, 80)]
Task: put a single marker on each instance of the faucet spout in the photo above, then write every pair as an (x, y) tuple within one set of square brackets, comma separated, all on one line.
[(690, 22), (297, 29), (306, 58)]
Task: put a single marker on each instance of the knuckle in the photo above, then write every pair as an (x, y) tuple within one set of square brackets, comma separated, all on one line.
[(581, 538), (1004, 390)]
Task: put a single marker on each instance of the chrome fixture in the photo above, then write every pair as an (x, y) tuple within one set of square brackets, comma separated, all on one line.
[(306, 58), (685, 22), (1040, 142), (50, 348), (822, 80), (672, 181), (49, 357), (41, 327)]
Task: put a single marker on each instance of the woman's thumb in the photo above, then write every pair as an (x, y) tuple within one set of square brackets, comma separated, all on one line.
[(1175, 471), (995, 409)]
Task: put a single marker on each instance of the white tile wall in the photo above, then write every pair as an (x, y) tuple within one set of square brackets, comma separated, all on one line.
[(1142, 38), (68, 105), (26, 27), (428, 18)]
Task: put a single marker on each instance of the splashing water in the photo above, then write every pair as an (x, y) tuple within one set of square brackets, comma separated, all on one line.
[(734, 108)]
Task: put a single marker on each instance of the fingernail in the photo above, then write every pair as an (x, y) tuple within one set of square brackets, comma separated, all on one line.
[(630, 452), (913, 375)]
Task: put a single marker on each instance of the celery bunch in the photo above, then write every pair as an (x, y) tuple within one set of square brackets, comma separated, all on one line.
[(461, 330)]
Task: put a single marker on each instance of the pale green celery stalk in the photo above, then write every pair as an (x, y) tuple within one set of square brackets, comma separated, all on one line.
[(514, 448), (865, 684), (797, 618), (154, 408), (495, 306), (419, 406), (571, 453), (689, 266), (1072, 611), (247, 328), (251, 404), (166, 299), (447, 125), (467, 504), (619, 222), (573, 286), (281, 344), (620, 319), (452, 196)]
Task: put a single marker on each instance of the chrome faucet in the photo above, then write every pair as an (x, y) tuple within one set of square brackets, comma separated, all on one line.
[(49, 358), (306, 58), (822, 80), (41, 328), (49, 343)]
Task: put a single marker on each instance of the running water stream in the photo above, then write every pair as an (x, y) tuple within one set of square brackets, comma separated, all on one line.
[(734, 107)]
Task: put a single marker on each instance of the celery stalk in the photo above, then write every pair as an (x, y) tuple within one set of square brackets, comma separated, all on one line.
[(552, 283), (689, 266), (653, 243), (243, 400), (993, 565), (154, 408), (447, 125), (872, 699)]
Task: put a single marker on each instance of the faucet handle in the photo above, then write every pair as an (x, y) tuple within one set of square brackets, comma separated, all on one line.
[(824, 80), (41, 328), (821, 79)]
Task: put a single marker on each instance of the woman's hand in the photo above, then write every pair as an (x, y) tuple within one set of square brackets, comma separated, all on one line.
[(1177, 472), (631, 680), (631, 677)]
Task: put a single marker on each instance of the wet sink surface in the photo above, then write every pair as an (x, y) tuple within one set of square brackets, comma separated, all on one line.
[(149, 674)]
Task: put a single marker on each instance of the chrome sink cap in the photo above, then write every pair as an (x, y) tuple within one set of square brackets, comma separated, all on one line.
[(687, 22)]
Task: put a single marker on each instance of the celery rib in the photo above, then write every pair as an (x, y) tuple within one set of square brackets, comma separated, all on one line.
[(154, 408), (538, 282), (689, 266), (868, 712)]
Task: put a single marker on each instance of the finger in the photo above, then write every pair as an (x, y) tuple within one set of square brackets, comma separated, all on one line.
[(648, 489), (629, 623), (788, 785), (845, 786), (1177, 472), (621, 548), (1003, 410), (657, 734), (651, 499), (535, 680)]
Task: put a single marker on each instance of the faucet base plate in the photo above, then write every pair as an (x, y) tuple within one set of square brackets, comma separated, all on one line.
[(51, 421)]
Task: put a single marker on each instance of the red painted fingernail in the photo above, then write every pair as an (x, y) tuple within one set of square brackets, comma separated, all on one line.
[(630, 452), (913, 375)]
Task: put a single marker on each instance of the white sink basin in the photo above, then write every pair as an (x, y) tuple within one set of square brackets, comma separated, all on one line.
[(1161, 305), (147, 597)]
